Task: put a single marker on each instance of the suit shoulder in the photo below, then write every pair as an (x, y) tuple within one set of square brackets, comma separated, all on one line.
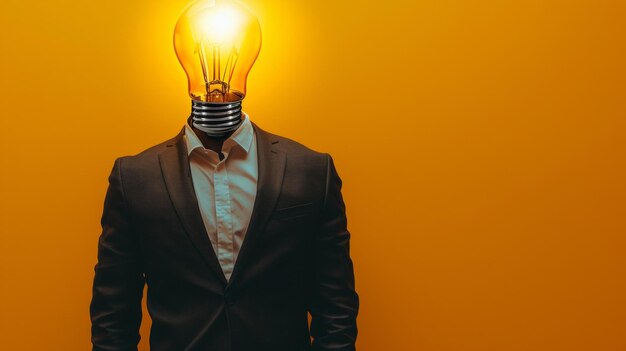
[(149, 155), (295, 147), (299, 154)]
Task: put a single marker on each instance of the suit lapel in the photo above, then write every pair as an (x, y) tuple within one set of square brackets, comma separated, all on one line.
[(177, 176), (271, 168)]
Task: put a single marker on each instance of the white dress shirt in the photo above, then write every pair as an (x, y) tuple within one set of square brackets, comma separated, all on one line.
[(226, 189)]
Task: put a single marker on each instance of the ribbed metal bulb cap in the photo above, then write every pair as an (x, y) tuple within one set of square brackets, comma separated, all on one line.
[(216, 118)]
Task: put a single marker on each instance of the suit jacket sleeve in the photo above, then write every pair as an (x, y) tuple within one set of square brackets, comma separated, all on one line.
[(119, 280), (334, 302)]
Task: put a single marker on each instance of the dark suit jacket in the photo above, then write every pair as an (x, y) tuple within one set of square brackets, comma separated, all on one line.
[(294, 258)]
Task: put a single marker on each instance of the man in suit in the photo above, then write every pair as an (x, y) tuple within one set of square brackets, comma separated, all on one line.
[(237, 237)]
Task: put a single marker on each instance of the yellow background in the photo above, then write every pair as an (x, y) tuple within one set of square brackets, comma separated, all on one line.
[(481, 143)]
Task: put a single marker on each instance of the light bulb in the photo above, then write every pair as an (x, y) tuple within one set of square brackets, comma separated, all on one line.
[(217, 42)]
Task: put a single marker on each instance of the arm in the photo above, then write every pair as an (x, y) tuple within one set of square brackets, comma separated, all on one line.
[(118, 282), (334, 302)]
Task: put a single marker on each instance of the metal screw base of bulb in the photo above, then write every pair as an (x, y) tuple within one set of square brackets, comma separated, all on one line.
[(216, 118)]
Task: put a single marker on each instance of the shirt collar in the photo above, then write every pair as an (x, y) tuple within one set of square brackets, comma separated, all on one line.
[(241, 136)]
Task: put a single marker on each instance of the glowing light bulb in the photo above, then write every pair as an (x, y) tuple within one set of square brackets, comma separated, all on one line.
[(217, 42), (218, 27)]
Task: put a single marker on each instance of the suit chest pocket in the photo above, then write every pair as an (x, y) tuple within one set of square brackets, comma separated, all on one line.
[(293, 211)]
